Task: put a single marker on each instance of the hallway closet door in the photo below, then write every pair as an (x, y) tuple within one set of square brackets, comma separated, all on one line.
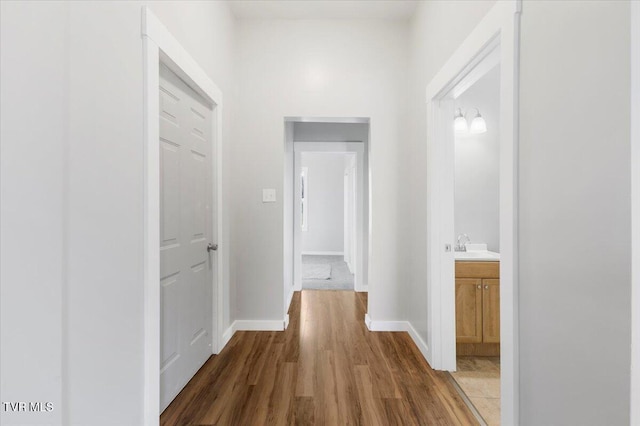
[(186, 219)]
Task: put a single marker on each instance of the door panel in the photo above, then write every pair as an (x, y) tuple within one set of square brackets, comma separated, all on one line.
[(186, 268), (491, 311), (468, 310)]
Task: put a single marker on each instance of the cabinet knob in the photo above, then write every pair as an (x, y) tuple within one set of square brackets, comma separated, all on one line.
[(479, 286), (486, 287)]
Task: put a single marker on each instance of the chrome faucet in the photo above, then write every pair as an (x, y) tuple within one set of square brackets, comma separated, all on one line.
[(461, 245)]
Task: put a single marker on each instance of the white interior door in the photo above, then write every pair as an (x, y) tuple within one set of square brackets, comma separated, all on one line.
[(186, 216)]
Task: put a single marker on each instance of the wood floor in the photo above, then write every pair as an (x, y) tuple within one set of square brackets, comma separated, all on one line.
[(325, 369)]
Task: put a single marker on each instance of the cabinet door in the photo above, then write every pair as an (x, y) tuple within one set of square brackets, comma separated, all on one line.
[(468, 310), (491, 311)]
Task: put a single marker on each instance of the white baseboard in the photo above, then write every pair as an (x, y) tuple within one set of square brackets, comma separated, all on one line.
[(399, 326), (387, 325), (422, 346), (363, 289), (252, 325), (289, 298), (259, 325), (350, 267), (323, 253), (286, 321), (226, 336)]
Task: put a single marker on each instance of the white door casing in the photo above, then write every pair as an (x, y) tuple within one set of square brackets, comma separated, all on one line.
[(499, 27), (346, 223), (350, 203), (187, 269), (161, 47)]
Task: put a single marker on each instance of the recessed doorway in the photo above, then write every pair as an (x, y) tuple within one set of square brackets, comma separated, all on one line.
[(326, 198)]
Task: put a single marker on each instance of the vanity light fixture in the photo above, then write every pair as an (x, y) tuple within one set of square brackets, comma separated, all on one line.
[(460, 123), (461, 126)]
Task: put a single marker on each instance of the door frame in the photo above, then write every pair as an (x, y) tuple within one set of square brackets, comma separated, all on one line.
[(635, 214), (356, 148), (350, 212), (499, 28), (159, 46)]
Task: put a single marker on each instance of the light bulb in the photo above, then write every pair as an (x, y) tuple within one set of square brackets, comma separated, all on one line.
[(478, 125), (460, 124)]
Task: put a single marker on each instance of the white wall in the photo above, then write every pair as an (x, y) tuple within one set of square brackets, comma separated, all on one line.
[(574, 201), (33, 131), (575, 213), (295, 68), (330, 132), (635, 213), (477, 157), (325, 192), (437, 29), (74, 70)]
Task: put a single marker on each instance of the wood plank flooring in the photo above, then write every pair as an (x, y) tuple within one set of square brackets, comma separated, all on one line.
[(325, 369)]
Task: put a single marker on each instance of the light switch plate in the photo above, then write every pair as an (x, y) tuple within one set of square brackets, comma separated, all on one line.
[(268, 195)]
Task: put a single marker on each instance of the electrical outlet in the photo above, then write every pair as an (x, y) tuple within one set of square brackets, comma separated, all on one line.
[(268, 195)]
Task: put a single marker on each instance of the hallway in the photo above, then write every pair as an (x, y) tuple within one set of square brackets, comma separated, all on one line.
[(326, 368), (339, 277)]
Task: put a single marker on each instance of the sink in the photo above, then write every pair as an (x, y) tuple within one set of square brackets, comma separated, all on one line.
[(478, 256)]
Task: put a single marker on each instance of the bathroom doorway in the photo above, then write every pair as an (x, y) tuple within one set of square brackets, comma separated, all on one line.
[(477, 244), (494, 42)]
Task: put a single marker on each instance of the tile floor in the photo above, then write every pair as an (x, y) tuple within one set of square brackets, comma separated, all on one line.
[(479, 378)]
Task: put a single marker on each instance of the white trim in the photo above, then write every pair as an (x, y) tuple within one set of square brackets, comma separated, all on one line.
[(254, 325), (367, 321), (286, 321), (386, 325), (288, 300), (421, 344), (322, 253), (159, 46), (226, 336), (499, 26), (329, 147), (635, 213), (353, 120), (261, 325), (399, 326), (479, 71), (304, 183)]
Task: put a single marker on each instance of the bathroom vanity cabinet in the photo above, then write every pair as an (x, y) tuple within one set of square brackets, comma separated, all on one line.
[(478, 308)]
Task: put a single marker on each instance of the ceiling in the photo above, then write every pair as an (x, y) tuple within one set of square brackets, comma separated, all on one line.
[(323, 9)]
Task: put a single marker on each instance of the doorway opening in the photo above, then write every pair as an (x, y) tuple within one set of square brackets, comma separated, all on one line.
[(477, 243), (326, 198), (451, 280)]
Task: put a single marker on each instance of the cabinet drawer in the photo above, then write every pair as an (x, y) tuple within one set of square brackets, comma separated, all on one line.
[(477, 269)]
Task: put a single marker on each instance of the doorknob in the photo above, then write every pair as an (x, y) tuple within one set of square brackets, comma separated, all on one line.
[(212, 247)]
